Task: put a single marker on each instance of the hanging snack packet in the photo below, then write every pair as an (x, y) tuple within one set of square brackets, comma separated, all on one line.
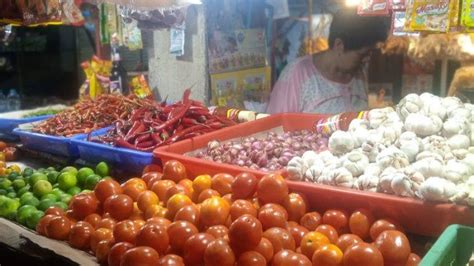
[(454, 8), (430, 15), (373, 8), (71, 14), (40, 12), (140, 87), (398, 4), (467, 14)]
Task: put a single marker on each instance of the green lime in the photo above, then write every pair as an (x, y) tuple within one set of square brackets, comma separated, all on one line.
[(91, 181), (36, 177), (102, 169), (66, 181), (27, 195), (40, 170), (50, 196), (61, 205), (13, 175), (56, 186), (10, 189), (23, 190), (33, 219), (19, 184), (8, 207), (24, 212), (53, 177), (70, 169), (3, 192), (49, 169), (27, 172), (31, 201), (42, 187), (5, 183), (66, 198), (44, 204), (11, 195), (58, 192), (83, 173), (73, 191)]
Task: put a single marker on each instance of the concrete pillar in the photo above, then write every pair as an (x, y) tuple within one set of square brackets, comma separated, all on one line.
[(171, 74)]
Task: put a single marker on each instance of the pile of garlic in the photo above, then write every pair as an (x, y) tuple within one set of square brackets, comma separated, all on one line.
[(424, 148)]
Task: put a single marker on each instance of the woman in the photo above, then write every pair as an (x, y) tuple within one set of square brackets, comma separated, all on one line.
[(332, 81)]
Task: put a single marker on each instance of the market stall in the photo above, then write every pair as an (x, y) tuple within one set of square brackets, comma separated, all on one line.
[(123, 176)]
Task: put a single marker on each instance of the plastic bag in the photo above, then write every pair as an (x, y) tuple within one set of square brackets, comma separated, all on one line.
[(156, 19), (154, 4), (373, 8)]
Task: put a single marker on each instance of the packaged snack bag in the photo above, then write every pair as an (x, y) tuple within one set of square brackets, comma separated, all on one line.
[(140, 87), (373, 8), (398, 5), (430, 15), (467, 14), (454, 10)]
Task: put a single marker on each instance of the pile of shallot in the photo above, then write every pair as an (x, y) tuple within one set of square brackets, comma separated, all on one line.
[(268, 154)]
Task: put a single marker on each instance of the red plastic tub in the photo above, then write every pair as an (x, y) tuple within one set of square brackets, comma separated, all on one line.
[(416, 216)]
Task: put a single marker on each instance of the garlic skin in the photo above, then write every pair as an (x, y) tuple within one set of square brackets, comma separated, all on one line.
[(402, 185), (437, 189), (392, 157), (410, 104), (459, 142), (456, 171), (341, 142), (385, 180), (355, 162), (296, 169), (423, 125), (368, 182)]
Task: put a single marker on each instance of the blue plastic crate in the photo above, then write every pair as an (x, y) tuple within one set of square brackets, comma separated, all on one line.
[(122, 158), (7, 125), (56, 145)]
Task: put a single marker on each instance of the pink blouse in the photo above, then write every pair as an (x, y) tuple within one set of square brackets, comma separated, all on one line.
[(302, 88)]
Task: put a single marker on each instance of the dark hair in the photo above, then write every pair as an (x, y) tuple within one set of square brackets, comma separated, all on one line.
[(356, 31)]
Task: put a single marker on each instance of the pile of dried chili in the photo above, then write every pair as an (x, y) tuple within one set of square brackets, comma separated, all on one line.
[(152, 126), (89, 115)]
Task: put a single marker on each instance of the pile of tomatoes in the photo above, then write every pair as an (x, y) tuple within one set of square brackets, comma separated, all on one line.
[(168, 219)]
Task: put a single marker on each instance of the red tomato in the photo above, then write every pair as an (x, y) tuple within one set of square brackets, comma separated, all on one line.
[(83, 204), (337, 219), (102, 250), (280, 239), (108, 223), (272, 188), (298, 232), (362, 254), (116, 252), (58, 228), (222, 183), (161, 187), (382, 225), (265, 248), (194, 248), (347, 240), (219, 253), (218, 231), (275, 207), (99, 235), (327, 255), (413, 260), (287, 257), (3, 145), (244, 186), (214, 211), (107, 187), (11, 154), (360, 222), (174, 170), (177, 189), (56, 211), (155, 211), (394, 246), (152, 168), (80, 235), (176, 202), (296, 206), (120, 206), (125, 231), (272, 217), (251, 258), (151, 175), (43, 222), (311, 242), (143, 256), (207, 194), (188, 213), (228, 198), (93, 219), (245, 233), (311, 220), (146, 199), (133, 187), (179, 232), (328, 231), (171, 260), (159, 221), (155, 236)]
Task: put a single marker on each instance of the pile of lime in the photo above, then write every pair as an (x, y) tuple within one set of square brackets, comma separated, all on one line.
[(25, 196)]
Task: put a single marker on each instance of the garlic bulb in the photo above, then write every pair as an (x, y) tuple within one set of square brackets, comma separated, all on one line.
[(385, 180), (360, 136), (392, 157), (469, 161), (423, 125), (437, 189), (311, 158), (313, 173), (410, 144), (340, 177), (429, 167), (402, 185), (357, 124), (296, 168), (456, 171), (378, 117), (355, 162), (460, 113), (373, 169), (371, 149), (368, 182), (436, 144), (390, 133), (460, 154), (429, 154), (459, 142), (434, 108), (416, 178), (411, 103), (454, 126), (341, 142), (451, 104)]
